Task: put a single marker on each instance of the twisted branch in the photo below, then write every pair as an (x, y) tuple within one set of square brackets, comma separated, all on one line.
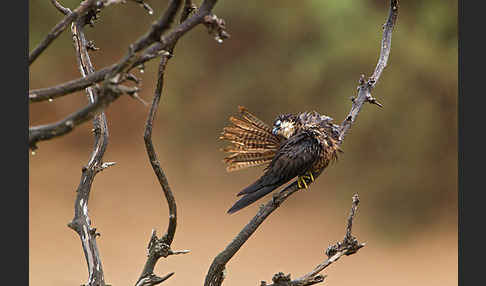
[(348, 246), (215, 275), (84, 7), (154, 48), (81, 223), (160, 247), (365, 87), (118, 73)]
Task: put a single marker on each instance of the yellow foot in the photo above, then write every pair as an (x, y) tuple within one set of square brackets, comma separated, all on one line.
[(301, 181)]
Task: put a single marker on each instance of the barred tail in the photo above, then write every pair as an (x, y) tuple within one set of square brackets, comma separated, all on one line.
[(253, 143)]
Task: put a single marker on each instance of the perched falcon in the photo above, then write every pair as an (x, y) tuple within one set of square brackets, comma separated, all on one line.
[(297, 145)]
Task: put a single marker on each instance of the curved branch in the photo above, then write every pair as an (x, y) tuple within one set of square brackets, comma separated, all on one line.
[(154, 47), (160, 247), (110, 92), (60, 8), (107, 94), (154, 161), (81, 223), (365, 87), (215, 274), (348, 246), (60, 27)]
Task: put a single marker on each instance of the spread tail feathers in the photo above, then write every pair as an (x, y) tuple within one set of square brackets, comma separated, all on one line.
[(250, 198), (253, 143)]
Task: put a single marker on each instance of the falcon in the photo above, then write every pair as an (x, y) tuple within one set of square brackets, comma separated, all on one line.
[(297, 145)]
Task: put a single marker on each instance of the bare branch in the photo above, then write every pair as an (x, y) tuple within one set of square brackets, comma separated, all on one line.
[(160, 247), (365, 87), (154, 48), (107, 94), (81, 222), (215, 275), (60, 27), (114, 75), (348, 246), (145, 6), (188, 9), (62, 9)]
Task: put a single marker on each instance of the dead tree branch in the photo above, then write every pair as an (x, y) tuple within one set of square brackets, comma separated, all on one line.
[(62, 9), (348, 246), (215, 275), (100, 96), (160, 247), (365, 87), (118, 73), (84, 7), (155, 46), (81, 223)]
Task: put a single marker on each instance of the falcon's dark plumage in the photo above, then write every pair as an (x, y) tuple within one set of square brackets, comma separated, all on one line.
[(297, 146)]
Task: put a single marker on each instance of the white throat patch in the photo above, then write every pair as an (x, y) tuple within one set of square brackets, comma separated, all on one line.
[(287, 129)]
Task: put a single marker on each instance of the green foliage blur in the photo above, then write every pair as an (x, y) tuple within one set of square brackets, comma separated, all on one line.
[(292, 56)]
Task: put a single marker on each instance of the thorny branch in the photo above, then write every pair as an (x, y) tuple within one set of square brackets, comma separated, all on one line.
[(81, 222), (154, 44), (365, 87), (61, 26), (100, 96), (149, 46), (154, 47), (348, 246), (160, 247), (215, 275)]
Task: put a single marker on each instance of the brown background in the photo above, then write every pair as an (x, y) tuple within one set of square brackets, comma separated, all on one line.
[(286, 57)]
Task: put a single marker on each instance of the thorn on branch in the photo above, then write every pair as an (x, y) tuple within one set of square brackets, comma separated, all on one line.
[(141, 68), (145, 6), (92, 231), (373, 100), (132, 77), (350, 244), (159, 247), (92, 15), (91, 46), (60, 8), (138, 98), (153, 279), (177, 252), (187, 11), (104, 166), (361, 80), (217, 27), (281, 279), (165, 53)]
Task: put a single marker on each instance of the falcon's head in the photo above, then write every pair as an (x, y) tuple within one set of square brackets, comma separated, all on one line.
[(284, 125)]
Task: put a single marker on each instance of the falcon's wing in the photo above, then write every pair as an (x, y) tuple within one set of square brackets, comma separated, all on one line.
[(294, 158), (253, 143)]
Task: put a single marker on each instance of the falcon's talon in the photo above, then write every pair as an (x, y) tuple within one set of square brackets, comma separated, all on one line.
[(301, 180), (309, 176)]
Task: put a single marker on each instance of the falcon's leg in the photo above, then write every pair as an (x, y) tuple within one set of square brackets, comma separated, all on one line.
[(302, 180)]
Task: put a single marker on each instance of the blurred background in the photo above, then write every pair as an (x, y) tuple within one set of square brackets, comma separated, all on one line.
[(289, 56)]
